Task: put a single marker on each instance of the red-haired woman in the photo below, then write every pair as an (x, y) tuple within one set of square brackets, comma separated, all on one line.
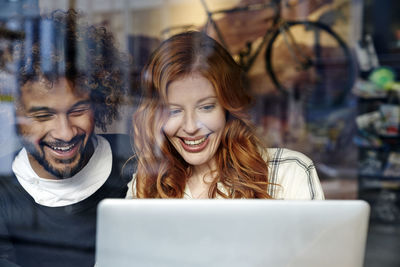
[(193, 137)]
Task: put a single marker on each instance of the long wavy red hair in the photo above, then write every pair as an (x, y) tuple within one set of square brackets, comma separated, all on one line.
[(161, 171)]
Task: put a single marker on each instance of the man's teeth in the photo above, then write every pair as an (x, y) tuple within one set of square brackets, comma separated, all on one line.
[(195, 142), (63, 148)]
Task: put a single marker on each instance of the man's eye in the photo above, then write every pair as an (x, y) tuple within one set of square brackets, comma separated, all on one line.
[(78, 111), (41, 117)]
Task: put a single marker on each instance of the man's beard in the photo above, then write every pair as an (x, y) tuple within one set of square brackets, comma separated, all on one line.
[(66, 172)]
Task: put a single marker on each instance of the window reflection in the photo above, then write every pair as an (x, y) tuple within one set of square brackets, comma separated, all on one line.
[(328, 132)]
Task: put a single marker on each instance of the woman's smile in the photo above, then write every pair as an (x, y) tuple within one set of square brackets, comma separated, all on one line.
[(194, 145)]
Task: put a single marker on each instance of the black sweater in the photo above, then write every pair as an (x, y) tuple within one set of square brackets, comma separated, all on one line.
[(36, 235)]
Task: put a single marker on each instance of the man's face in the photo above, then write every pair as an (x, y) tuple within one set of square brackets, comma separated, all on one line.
[(55, 123)]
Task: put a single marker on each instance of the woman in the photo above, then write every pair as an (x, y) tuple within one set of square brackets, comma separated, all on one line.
[(193, 137)]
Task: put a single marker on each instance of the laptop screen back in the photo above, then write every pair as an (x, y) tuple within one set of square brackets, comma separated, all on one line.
[(230, 233)]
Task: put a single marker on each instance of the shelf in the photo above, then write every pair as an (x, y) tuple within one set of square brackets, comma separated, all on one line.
[(367, 184), (380, 177)]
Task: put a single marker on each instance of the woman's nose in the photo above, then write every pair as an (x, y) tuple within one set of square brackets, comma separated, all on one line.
[(190, 124)]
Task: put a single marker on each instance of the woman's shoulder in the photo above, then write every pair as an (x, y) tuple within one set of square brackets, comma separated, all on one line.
[(293, 174), (284, 155), (286, 164)]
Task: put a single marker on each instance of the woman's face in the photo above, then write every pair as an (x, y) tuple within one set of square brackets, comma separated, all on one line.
[(196, 119)]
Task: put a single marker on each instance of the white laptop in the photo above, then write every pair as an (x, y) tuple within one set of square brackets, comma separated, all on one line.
[(231, 233)]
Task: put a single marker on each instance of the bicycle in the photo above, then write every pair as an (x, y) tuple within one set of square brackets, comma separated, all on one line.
[(306, 59)]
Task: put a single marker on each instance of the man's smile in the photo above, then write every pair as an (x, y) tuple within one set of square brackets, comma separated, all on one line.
[(62, 149)]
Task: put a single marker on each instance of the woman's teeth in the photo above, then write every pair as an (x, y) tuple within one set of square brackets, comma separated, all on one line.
[(195, 142)]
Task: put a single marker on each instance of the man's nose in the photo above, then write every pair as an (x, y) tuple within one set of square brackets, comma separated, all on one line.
[(63, 128)]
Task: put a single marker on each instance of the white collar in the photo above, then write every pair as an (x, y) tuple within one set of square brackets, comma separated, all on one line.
[(63, 192)]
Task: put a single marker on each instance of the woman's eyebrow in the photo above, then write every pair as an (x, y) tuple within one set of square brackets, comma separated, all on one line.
[(198, 101), (206, 98)]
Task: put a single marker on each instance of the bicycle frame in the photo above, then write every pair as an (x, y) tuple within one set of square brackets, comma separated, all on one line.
[(246, 57), (303, 61)]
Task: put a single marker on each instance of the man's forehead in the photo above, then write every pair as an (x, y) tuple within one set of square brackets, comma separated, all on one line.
[(44, 92)]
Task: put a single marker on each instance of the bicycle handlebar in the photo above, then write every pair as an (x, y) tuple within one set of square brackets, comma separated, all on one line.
[(251, 7), (293, 3)]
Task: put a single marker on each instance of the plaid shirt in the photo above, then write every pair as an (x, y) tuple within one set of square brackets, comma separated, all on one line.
[(294, 174)]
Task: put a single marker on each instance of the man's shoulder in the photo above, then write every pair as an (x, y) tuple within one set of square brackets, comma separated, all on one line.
[(6, 161), (13, 197)]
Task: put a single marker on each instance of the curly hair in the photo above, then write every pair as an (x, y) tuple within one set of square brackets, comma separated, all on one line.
[(161, 171), (62, 46)]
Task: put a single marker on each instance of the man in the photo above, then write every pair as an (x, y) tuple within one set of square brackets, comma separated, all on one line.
[(69, 82)]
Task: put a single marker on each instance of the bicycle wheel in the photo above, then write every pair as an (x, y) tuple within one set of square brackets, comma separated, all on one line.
[(310, 61)]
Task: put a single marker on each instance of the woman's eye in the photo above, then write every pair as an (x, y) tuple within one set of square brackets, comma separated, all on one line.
[(208, 107), (173, 112)]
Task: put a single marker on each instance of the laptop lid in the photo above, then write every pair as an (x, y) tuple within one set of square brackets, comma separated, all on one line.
[(230, 233)]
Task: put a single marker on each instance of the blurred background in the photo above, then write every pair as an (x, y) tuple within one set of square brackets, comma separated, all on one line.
[(343, 112)]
